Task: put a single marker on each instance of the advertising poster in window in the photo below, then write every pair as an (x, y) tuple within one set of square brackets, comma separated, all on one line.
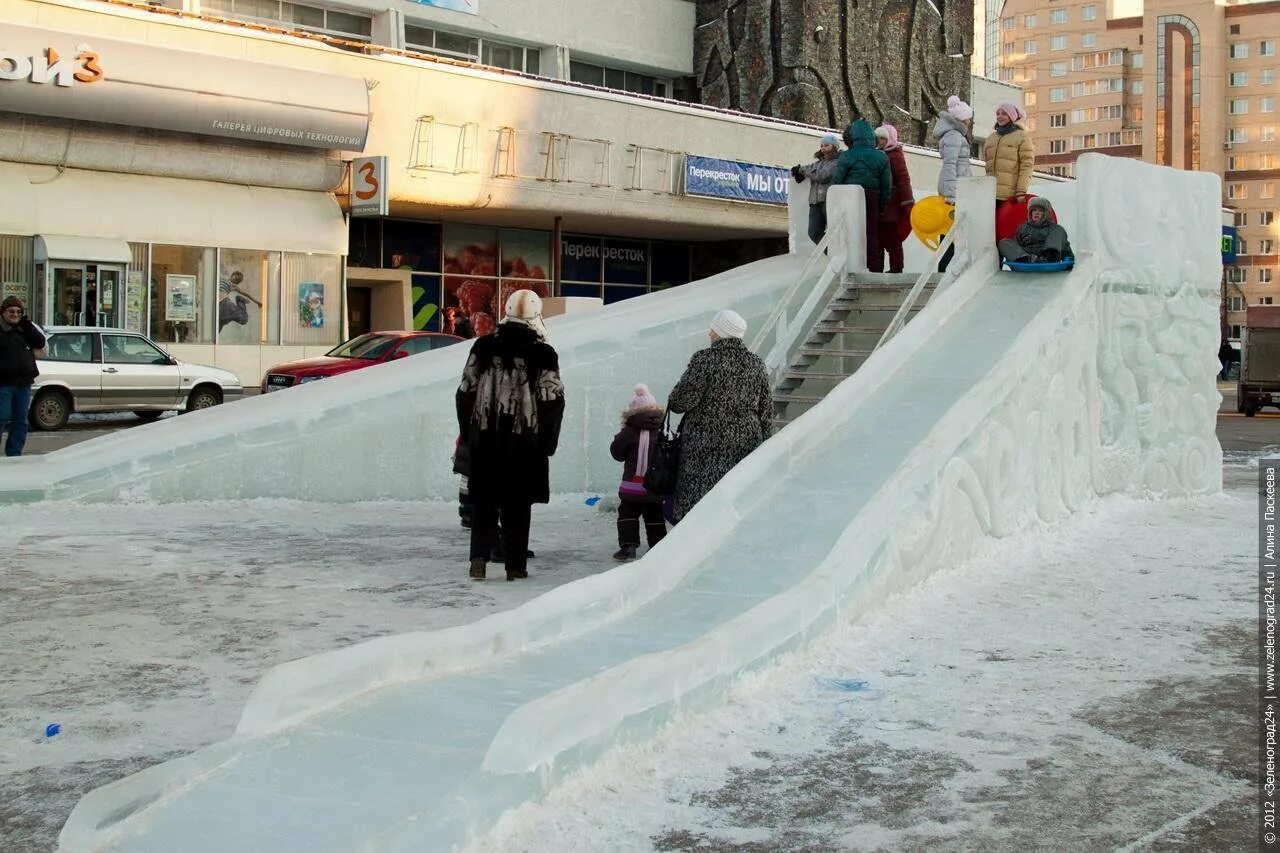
[(526, 264), (180, 298), (134, 298), (580, 259), (626, 262), (470, 282), (311, 304), (240, 295)]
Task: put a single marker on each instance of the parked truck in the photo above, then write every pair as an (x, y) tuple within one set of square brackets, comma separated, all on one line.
[(1259, 383)]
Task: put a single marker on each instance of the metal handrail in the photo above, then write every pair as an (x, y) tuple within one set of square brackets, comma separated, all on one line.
[(900, 318), (785, 329)]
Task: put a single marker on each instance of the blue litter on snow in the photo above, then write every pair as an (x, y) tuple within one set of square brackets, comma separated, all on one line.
[(592, 501), (52, 729)]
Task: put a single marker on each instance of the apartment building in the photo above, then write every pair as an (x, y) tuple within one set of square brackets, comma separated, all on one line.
[(1186, 83)]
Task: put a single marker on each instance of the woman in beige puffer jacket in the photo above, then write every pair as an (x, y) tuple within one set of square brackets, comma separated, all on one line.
[(1010, 153)]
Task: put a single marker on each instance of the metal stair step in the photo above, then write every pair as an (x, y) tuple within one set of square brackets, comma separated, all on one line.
[(841, 329), (837, 353), (795, 372), (798, 398)]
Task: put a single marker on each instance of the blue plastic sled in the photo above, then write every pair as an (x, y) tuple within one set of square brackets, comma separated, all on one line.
[(1043, 266)]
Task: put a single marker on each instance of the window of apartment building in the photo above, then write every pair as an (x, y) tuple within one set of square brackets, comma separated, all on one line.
[(1008, 23), (1267, 76), (1237, 135), (1135, 60), (1267, 134), (1029, 123), (1029, 22), (1058, 68), (1239, 50), (1236, 192), (1237, 106), (1264, 300), (1057, 146), (1266, 247), (1083, 115), (1061, 171), (1234, 29), (1264, 276), (295, 16), (1241, 219), (1236, 162), (583, 72), (1267, 160), (1135, 113), (1267, 104), (1266, 48), (1057, 43), (1266, 217), (1242, 246), (1135, 88), (1267, 190), (1029, 98), (1058, 120), (1029, 46), (1006, 75), (1101, 86), (1238, 78), (1058, 16), (1089, 13), (1083, 142), (1235, 331), (1100, 59), (1058, 94), (1088, 40)]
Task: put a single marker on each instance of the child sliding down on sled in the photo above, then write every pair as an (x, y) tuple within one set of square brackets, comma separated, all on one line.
[(633, 447), (1039, 239)]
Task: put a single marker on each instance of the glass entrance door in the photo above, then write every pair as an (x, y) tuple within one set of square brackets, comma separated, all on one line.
[(68, 294), (108, 293), (85, 294)]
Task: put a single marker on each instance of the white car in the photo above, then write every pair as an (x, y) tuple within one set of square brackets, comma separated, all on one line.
[(91, 369)]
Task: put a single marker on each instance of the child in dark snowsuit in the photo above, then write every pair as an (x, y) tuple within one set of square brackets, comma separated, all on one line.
[(1039, 239), (633, 447)]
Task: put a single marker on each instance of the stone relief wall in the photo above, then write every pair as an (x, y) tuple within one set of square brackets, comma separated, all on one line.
[(826, 63)]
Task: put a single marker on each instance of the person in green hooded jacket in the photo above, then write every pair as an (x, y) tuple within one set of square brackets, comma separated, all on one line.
[(862, 163)]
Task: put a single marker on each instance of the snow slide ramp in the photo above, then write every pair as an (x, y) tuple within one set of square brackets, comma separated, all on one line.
[(1012, 399)]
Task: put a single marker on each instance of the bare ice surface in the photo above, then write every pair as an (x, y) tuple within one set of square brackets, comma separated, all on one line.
[(142, 629), (1082, 687)]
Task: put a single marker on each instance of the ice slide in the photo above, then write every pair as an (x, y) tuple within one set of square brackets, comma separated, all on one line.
[(1010, 399)]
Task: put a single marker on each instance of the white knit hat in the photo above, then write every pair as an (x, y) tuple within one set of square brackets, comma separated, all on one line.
[(524, 307), (729, 324), (643, 399), (959, 109)]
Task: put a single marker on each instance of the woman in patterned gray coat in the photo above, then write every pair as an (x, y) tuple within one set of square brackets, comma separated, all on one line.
[(728, 410)]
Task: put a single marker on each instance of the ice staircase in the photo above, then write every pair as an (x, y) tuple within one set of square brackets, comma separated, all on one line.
[(853, 321)]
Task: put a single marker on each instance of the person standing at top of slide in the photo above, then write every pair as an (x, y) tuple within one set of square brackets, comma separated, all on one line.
[(1010, 153), (867, 166), (819, 174)]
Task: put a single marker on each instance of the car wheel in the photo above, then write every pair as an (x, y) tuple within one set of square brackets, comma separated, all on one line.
[(1251, 410), (203, 398), (148, 415), (50, 410)]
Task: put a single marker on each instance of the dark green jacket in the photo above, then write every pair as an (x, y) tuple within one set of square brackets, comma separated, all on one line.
[(864, 164)]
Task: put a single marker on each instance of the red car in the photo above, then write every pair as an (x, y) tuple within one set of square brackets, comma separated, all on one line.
[(363, 351)]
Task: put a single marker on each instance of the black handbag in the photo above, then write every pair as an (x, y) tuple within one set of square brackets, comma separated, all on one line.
[(664, 464)]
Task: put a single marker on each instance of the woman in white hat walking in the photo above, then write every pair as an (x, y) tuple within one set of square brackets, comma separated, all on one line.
[(728, 410)]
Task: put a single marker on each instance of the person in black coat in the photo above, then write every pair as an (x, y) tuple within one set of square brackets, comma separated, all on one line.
[(19, 341), (510, 405), (633, 447)]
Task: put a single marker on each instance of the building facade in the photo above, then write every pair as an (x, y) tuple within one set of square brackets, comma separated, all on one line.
[(1189, 84)]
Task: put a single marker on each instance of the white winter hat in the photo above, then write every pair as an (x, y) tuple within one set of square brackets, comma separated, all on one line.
[(643, 399), (729, 324), (524, 307), (959, 109)]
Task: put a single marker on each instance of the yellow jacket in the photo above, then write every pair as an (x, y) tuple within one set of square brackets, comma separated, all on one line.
[(1011, 158)]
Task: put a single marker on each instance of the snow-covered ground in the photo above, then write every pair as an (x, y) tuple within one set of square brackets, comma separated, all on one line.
[(1076, 688)]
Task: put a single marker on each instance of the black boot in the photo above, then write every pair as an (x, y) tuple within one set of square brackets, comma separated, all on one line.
[(625, 554), (477, 569)]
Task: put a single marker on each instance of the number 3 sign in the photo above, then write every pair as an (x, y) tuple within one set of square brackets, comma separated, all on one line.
[(369, 196)]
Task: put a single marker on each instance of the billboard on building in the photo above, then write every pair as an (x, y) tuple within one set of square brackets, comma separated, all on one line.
[(735, 180)]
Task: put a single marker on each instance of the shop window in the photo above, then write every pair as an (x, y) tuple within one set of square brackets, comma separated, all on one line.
[(311, 296), (525, 263), (580, 261), (248, 296), (469, 302), (669, 264), (363, 242), (626, 262), (184, 294), (406, 245)]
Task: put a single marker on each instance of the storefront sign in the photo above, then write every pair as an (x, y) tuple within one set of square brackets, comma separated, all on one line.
[(471, 7), (180, 298), (142, 85), (369, 196), (734, 180), (1228, 244), (14, 288)]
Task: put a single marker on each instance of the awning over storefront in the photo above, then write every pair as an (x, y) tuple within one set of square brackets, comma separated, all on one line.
[(59, 247), (109, 206)]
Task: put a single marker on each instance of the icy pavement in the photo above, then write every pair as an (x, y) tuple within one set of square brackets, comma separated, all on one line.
[(1088, 687), (142, 628)]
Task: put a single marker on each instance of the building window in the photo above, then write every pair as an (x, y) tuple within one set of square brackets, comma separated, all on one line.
[(1241, 219), (184, 294), (1267, 76), (1242, 248), (1234, 332), (613, 78), (1267, 160), (1008, 48), (510, 56), (1008, 23), (1237, 106), (1058, 94), (1267, 134), (1266, 217), (1264, 276), (1058, 16), (1029, 98), (1057, 146), (1235, 303), (1237, 135), (1058, 120), (1088, 40), (1058, 69), (1266, 48), (1264, 300), (1029, 22), (1239, 50), (1135, 60), (1238, 78), (1029, 47), (1266, 247), (1135, 87), (1089, 13), (1058, 43), (295, 16), (1267, 104), (1267, 190), (1236, 162), (1236, 192), (439, 43)]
